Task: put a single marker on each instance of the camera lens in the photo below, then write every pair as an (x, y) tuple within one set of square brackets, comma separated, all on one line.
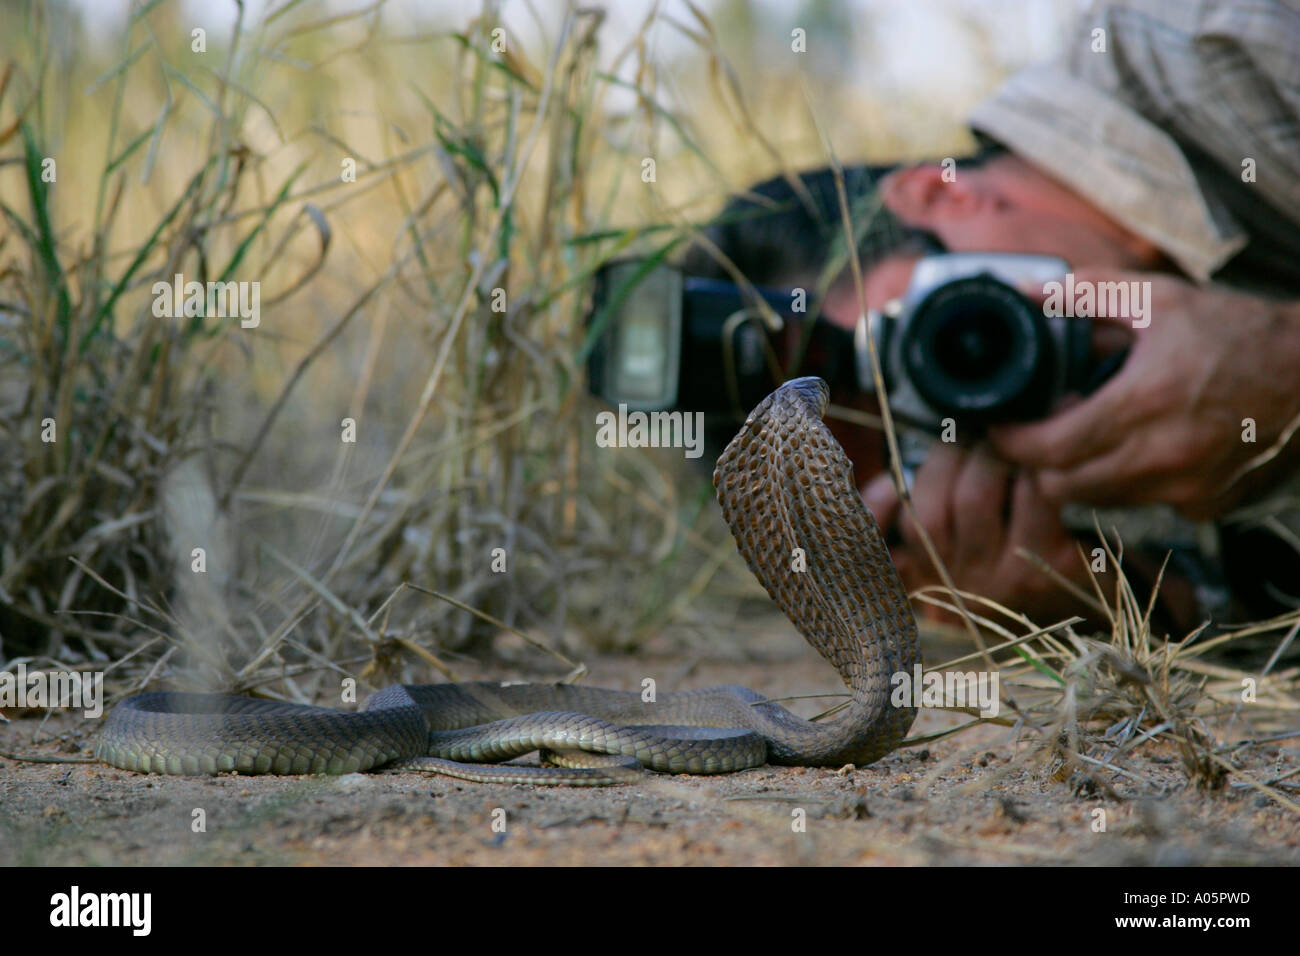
[(973, 343), (977, 350)]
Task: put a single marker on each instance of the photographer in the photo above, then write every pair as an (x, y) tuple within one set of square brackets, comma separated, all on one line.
[(1163, 149)]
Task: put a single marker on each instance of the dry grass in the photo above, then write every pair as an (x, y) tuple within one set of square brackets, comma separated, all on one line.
[(380, 304), (1086, 702)]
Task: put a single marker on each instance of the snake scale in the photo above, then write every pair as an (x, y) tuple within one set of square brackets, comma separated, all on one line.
[(787, 492)]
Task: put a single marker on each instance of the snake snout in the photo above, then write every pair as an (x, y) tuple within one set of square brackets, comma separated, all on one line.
[(813, 390)]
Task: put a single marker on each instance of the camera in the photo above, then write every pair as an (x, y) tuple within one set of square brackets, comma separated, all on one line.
[(659, 339), (963, 343)]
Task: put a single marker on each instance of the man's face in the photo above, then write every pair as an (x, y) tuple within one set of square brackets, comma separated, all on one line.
[(1005, 205)]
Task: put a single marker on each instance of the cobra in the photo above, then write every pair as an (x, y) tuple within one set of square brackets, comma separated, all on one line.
[(787, 493)]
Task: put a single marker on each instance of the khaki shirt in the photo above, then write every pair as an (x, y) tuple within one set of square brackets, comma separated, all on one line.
[(1181, 120)]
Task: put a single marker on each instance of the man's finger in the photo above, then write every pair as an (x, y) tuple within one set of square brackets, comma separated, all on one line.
[(979, 501), (1106, 481), (1033, 518), (931, 496), (1093, 427), (881, 499)]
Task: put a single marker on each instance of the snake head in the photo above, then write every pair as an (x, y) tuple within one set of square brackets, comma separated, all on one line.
[(785, 405), (811, 389)]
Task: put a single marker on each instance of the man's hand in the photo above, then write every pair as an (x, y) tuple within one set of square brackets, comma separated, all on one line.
[(1169, 426), (978, 511)]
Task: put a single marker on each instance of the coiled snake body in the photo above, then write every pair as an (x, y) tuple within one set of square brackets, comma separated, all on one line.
[(787, 493)]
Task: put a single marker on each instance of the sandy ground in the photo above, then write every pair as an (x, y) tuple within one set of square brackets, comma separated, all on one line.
[(962, 800)]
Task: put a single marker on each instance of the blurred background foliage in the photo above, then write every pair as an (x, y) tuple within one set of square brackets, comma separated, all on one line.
[(475, 170)]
